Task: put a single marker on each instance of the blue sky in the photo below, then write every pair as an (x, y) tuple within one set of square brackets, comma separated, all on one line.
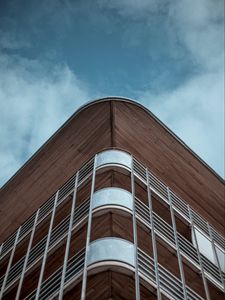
[(56, 55)]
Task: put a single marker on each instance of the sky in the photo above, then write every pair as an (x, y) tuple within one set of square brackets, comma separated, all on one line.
[(56, 55)]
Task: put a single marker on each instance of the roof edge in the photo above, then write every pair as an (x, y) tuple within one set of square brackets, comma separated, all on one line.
[(123, 99)]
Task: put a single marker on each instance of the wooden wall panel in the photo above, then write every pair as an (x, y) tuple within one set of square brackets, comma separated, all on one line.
[(86, 134), (99, 126), (143, 136)]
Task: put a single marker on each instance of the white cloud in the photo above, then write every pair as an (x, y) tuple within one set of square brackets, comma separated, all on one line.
[(195, 109), (195, 112), (35, 100), (200, 27), (197, 25)]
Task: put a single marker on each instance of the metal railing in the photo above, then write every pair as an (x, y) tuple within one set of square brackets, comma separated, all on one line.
[(165, 231), (47, 207), (37, 251), (51, 285), (139, 170), (169, 283), (146, 265), (161, 227), (178, 204)]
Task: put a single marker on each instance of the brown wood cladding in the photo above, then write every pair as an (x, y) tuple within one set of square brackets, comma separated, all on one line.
[(109, 285), (107, 224), (91, 131), (85, 135), (139, 133)]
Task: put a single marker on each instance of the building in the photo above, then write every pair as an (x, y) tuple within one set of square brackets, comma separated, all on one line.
[(114, 181)]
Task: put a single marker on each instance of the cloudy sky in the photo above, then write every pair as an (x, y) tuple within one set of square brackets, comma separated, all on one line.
[(55, 55)]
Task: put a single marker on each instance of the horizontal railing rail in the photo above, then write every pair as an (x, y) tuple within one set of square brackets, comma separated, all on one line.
[(36, 253), (51, 285), (178, 204), (140, 171), (47, 207), (168, 283), (165, 231), (161, 226)]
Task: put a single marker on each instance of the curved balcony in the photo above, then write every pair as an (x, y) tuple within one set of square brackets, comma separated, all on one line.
[(114, 157), (111, 249), (112, 196)]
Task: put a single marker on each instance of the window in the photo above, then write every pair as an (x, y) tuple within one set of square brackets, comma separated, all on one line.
[(204, 245), (221, 257), (206, 248)]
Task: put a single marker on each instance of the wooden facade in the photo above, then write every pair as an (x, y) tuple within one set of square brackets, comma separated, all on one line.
[(98, 126), (112, 123)]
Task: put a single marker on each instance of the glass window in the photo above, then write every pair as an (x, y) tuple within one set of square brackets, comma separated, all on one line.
[(112, 196), (206, 248), (204, 245), (114, 157), (221, 258), (111, 249)]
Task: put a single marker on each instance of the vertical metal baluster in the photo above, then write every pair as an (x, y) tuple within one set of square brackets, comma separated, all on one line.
[(27, 256), (46, 247), (154, 246), (137, 284), (9, 263), (84, 281), (215, 253), (66, 256), (177, 245), (199, 256)]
